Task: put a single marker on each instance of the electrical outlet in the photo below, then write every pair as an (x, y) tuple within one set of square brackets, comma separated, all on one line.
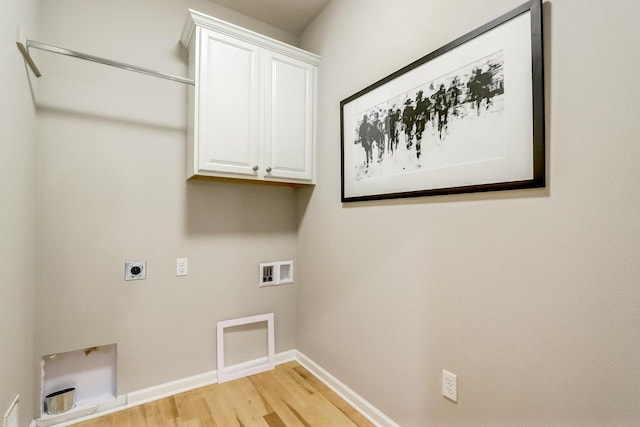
[(182, 266), (450, 385), (135, 270)]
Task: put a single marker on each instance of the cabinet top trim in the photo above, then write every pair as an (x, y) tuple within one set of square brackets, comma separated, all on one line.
[(198, 19)]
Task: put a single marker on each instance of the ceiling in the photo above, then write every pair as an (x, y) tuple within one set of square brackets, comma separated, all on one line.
[(289, 15)]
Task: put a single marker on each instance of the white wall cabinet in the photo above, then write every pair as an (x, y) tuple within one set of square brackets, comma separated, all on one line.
[(251, 111)]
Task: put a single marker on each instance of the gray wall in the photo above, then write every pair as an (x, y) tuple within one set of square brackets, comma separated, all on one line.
[(111, 187), (17, 214), (531, 297)]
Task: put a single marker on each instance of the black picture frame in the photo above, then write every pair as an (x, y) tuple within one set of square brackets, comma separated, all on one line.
[(477, 105)]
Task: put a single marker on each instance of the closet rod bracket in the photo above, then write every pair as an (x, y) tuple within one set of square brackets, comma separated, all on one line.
[(21, 42)]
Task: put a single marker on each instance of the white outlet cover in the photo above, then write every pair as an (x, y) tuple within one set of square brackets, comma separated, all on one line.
[(182, 266), (450, 385)]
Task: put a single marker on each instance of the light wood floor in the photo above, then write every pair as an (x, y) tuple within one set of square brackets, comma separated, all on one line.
[(286, 396)]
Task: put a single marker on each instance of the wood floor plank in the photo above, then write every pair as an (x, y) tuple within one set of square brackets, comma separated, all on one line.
[(223, 413), (273, 394), (287, 396), (309, 405), (274, 420), (332, 397), (312, 406), (246, 401), (204, 412)]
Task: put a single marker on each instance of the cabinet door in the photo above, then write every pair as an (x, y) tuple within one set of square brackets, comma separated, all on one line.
[(288, 148), (229, 102)]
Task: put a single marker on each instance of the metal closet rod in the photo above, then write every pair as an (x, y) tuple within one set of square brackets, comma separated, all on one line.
[(23, 47)]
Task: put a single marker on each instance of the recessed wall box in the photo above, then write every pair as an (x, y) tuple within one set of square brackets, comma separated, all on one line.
[(91, 371), (276, 273), (285, 272), (267, 273)]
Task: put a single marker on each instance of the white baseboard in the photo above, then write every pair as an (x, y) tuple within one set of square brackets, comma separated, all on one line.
[(369, 411), (286, 356), (202, 380), (171, 388)]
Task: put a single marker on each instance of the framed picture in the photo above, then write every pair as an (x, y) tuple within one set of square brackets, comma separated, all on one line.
[(467, 117)]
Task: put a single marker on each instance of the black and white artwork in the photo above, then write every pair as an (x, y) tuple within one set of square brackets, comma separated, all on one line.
[(432, 125), (464, 118)]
